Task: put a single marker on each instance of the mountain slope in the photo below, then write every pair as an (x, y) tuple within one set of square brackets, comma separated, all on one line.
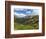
[(28, 20)]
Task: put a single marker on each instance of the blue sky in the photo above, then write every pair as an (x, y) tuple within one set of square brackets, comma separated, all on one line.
[(23, 12)]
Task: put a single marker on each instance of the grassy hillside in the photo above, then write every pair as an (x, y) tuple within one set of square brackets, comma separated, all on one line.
[(26, 23)]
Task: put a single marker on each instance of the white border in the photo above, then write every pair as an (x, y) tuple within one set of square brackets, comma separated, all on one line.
[(26, 31)]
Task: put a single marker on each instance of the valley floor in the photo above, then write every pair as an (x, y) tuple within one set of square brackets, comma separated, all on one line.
[(24, 27)]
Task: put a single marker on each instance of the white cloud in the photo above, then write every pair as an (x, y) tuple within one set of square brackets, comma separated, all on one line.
[(20, 15)]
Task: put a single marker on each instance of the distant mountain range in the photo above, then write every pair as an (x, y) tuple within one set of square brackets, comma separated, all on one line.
[(24, 16)]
